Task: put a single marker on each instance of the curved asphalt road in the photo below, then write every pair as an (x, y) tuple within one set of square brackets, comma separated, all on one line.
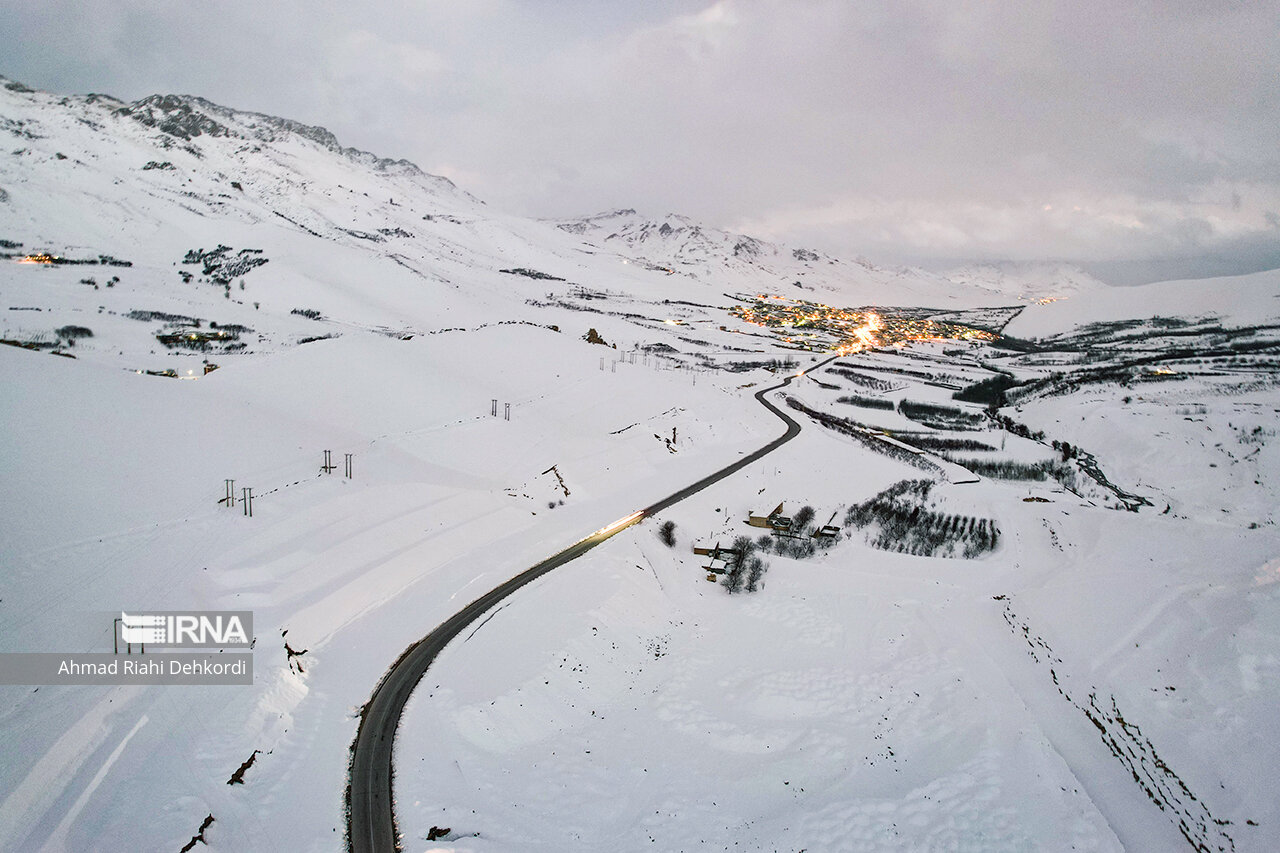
[(371, 826)]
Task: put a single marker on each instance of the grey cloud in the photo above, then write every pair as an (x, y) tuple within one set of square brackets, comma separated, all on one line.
[(889, 127)]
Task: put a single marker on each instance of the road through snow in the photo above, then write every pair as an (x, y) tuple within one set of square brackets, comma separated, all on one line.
[(371, 826)]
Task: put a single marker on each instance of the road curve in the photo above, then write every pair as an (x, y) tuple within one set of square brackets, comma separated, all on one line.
[(371, 826)]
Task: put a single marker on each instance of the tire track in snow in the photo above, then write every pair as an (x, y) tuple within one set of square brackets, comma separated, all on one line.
[(1134, 750)]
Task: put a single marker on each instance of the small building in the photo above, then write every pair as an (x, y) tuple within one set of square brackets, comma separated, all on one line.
[(764, 520), (774, 520), (716, 554)]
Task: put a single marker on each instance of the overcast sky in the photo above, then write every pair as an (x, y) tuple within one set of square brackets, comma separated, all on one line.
[(1100, 131)]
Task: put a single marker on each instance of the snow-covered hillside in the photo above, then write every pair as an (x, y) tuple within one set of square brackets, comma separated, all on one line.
[(680, 239), (1235, 301), (1041, 283), (677, 245), (1048, 617)]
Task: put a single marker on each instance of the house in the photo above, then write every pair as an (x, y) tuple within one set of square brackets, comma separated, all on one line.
[(774, 520), (716, 554)]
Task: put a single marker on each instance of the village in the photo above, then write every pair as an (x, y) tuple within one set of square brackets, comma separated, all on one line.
[(814, 327)]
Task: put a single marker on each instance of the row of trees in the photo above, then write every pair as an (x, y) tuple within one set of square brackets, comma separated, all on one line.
[(1009, 469), (944, 417), (866, 402), (871, 442), (940, 443), (904, 371), (897, 519), (862, 379)]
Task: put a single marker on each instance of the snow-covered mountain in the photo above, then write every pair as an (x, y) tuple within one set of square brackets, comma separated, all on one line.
[(190, 153), (678, 245), (147, 181), (264, 223), (678, 239), (1030, 282), (505, 386)]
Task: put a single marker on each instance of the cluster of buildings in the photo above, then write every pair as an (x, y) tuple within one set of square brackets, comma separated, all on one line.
[(812, 326)]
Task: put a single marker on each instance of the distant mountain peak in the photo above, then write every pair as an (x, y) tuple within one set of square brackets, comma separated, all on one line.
[(188, 116), (674, 238), (175, 115)]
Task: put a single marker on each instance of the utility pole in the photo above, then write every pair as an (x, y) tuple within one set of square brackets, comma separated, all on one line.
[(493, 409), (328, 465), (347, 473), (508, 410), (230, 497), (248, 501)]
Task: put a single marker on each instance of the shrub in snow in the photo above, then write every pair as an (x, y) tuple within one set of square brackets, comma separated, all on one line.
[(70, 333), (667, 533)]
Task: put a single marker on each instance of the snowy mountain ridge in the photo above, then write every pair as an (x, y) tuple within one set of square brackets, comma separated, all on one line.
[(186, 117), (681, 244), (251, 167), (378, 242), (678, 244), (682, 238), (147, 167)]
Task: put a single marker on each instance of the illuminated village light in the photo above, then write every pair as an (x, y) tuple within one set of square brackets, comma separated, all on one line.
[(850, 331)]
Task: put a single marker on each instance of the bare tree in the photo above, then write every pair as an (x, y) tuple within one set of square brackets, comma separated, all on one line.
[(667, 533), (802, 518)]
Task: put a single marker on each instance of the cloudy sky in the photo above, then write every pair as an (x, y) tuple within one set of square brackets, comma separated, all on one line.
[(1134, 136)]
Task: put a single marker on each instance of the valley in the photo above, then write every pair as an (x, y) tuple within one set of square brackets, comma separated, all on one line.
[(1034, 602)]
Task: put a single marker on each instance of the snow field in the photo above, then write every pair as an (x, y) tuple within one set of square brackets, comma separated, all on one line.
[(627, 703), (446, 503)]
